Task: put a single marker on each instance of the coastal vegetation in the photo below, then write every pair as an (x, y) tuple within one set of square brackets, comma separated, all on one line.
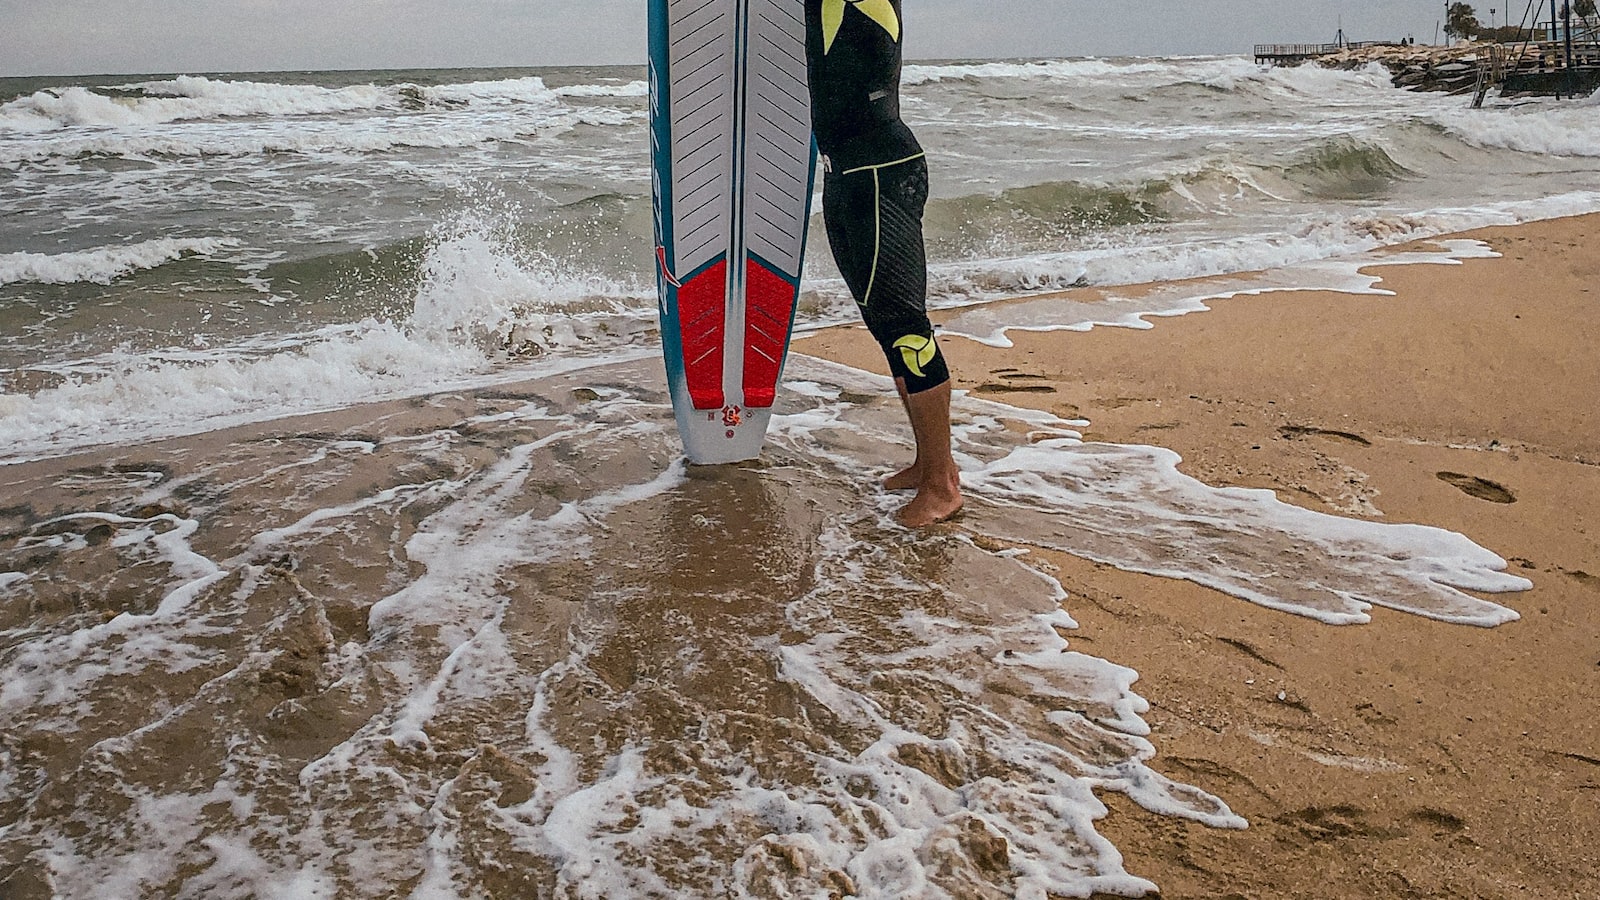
[(1461, 23)]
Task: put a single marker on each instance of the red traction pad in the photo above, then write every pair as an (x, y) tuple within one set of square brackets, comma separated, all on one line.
[(702, 317), (769, 308)]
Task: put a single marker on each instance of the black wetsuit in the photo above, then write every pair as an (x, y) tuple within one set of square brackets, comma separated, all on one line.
[(875, 181)]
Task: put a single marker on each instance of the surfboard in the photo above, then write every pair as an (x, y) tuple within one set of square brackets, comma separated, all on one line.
[(733, 169)]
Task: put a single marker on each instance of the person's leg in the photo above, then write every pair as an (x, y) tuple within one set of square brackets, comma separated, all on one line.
[(909, 478), (853, 219), (939, 485), (874, 220), (897, 314)]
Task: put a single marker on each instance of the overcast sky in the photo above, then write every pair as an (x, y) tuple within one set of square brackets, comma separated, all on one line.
[(58, 37)]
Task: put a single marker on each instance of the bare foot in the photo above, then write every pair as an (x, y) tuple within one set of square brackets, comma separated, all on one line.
[(934, 503), (907, 479)]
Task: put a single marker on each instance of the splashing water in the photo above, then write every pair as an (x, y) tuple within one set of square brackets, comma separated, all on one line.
[(513, 646)]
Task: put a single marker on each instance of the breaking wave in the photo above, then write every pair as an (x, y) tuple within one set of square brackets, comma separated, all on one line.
[(376, 136), (478, 301), (1122, 263), (1570, 130), (102, 265), (1047, 215), (193, 97), (1136, 75)]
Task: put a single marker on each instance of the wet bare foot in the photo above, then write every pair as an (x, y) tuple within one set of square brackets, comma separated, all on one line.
[(906, 479), (933, 504)]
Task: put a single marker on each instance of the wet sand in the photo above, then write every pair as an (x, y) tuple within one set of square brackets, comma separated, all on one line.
[(501, 643), (1404, 757)]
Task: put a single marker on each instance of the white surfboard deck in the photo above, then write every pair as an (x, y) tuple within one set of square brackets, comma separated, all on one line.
[(733, 167)]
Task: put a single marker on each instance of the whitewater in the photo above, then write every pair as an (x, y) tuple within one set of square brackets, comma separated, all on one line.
[(197, 248), (337, 468)]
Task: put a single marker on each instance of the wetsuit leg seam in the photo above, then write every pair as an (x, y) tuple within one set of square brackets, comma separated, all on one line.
[(877, 236), (874, 168)]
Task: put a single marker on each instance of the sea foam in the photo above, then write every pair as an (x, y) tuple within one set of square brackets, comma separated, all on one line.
[(1129, 506), (1321, 238), (534, 651), (103, 265), (190, 97), (1570, 130), (477, 300)]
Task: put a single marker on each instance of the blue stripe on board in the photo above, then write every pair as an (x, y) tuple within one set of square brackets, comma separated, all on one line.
[(661, 179)]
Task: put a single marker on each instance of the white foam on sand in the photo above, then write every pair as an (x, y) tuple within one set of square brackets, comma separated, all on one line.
[(526, 707), (988, 324), (60, 669), (876, 800), (1130, 507)]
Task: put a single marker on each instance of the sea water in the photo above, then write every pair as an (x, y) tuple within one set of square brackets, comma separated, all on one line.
[(471, 628), (180, 251)]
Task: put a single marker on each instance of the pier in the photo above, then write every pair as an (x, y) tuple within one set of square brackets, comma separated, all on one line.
[(1477, 68), (1295, 54), (1545, 68)]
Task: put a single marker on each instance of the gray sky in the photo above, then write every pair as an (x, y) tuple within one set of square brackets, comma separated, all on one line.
[(56, 37)]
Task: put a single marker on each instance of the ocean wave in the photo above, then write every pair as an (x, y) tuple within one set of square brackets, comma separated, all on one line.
[(1569, 130), (1343, 168), (1224, 73), (183, 98), (1086, 69), (430, 131), (480, 280), (960, 282), (193, 97), (102, 265), (479, 303), (631, 89), (1310, 81), (513, 90), (1041, 216)]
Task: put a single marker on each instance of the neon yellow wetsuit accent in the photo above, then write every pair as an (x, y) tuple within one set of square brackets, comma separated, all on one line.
[(875, 184), (880, 11)]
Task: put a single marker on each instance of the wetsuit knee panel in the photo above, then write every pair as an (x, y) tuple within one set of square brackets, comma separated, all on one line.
[(915, 357)]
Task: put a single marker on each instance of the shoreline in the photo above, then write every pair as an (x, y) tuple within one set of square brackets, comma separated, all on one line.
[(351, 557), (1404, 757)]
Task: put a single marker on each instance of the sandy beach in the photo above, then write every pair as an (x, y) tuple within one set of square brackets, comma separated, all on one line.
[(500, 642), (1404, 757), (348, 547)]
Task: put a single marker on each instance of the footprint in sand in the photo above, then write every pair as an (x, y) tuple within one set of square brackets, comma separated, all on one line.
[(1438, 820), (1298, 431), (1323, 822), (1008, 383), (1482, 488)]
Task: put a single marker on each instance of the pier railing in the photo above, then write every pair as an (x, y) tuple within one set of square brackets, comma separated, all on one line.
[(1280, 53)]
